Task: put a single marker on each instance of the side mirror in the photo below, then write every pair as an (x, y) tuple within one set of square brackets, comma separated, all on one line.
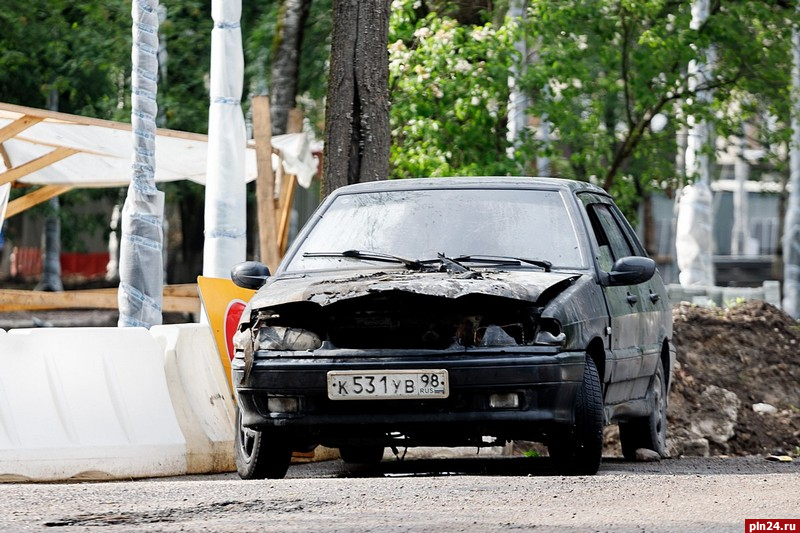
[(631, 271), (250, 274)]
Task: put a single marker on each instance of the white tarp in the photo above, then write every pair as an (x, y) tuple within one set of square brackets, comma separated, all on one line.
[(104, 152), (5, 192), (226, 202), (295, 151)]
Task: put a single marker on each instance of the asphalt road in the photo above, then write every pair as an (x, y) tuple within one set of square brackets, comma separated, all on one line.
[(472, 494)]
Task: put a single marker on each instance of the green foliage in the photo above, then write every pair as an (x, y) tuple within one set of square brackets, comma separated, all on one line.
[(449, 90), (600, 71), (604, 69), (63, 52), (313, 75), (183, 96), (81, 218)]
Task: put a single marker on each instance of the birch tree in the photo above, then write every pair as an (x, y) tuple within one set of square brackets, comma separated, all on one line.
[(791, 245)]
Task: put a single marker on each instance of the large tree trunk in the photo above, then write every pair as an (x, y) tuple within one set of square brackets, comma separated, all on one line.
[(286, 61), (357, 138)]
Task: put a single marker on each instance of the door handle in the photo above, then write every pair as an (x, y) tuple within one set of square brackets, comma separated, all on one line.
[(632, 299), (654, 297)]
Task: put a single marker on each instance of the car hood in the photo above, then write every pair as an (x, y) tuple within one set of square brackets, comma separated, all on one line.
[(331, 287)]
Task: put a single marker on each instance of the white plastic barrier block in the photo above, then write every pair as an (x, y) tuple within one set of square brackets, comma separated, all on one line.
[(200, 394), (85, 403)]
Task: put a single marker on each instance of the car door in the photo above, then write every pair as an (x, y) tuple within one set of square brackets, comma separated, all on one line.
[(655, 317), (626, 304)]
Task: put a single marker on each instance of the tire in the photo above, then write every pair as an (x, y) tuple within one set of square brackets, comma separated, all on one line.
[(365, 455), (257, 455), (578, 449), (650, 431)]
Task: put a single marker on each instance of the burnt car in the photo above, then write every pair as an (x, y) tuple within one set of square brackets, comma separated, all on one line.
[(453, 312)]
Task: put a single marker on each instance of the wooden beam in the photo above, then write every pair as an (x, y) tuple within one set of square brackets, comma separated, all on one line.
[(288, 183), (265, 183), (13, 174), (295, 123), (66, 118), (4, 156), (285, 210), (21, 124), (17, 300), (36, 197), (184, 290)]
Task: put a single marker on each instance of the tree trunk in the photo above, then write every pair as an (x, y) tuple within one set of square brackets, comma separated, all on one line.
[(791, 228), (51, 257), (286, 61), (357, 133), (51, 264), (694, 238)]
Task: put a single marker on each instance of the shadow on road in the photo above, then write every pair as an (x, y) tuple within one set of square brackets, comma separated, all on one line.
[(543, 466)]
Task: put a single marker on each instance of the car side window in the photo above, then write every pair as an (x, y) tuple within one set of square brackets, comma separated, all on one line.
[(610, 236)]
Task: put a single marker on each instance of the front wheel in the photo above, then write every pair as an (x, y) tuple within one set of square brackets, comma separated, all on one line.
[(578, 449), (260, 454), (650, 431)]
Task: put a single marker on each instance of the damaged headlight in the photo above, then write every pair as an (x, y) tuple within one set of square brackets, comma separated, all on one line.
[(550, 332), (287, 339), (496, 336)]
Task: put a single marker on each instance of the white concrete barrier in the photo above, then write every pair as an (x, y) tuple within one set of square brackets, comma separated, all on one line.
[(86, 403), (769, 292), (200, 395)]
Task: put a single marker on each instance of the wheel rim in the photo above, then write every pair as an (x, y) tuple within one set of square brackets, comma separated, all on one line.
[(660, 409), (247, 440)]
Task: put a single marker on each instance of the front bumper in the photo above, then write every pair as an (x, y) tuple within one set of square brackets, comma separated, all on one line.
[(545, 383)]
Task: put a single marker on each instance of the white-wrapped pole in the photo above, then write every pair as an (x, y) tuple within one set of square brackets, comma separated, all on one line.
[(140, 263), (739, 233), (791, 232), (694, 230), (517, 100), (225, 210)]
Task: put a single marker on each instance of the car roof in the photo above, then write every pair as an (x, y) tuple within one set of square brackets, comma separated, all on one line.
[(458, 182)]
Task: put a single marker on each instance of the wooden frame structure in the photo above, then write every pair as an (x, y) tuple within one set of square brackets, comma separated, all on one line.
[(273, 210)]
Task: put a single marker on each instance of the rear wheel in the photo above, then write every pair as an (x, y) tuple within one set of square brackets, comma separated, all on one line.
[(578, 449), (650, 431), (260, 454), (365, 455)]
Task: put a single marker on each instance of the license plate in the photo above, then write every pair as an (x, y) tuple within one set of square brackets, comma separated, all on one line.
[(387, 384)]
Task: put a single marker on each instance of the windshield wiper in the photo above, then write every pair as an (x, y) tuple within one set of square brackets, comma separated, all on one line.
[(452, 265), (504, 260), (411, 264)]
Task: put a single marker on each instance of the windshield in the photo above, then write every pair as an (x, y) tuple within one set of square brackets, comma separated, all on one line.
[(419, 224)]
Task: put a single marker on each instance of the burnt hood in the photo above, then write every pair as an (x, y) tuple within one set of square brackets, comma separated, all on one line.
[(331, 287)]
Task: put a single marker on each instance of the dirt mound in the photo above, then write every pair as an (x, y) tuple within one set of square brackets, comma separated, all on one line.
[(752, 350)]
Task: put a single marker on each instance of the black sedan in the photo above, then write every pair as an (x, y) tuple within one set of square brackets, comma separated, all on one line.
[(453, 312)]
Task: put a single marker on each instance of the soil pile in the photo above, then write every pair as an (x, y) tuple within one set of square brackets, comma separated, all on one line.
[(752, 350)]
